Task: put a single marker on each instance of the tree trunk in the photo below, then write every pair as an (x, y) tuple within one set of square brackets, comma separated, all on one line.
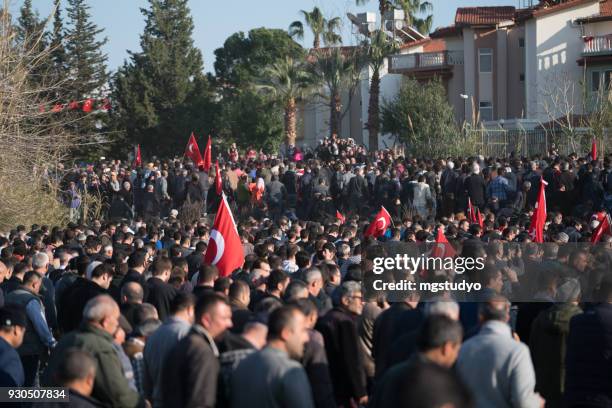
[(373, 112), (382, 8), (290, 122), (316, 44), (335, 124)]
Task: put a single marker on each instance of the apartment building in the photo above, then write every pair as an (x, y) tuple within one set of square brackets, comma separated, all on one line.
[(511, 65)]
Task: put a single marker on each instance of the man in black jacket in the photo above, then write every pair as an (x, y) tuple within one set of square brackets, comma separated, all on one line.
[(589, 345), (339, 329), (75, 298), (476, 187), (161, 293), (191, 369)]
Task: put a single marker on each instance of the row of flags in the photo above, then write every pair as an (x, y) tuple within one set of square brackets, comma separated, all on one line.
[(88, 105)]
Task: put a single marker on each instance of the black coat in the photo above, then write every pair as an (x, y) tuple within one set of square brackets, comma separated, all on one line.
[(346, 367), (191, 372), (588, 365), (73, 302), (160, 295), (400, 318), (476, 189)]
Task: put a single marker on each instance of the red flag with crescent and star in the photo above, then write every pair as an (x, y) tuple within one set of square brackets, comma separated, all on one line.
[(381, 222), (224, 247), (604, 227), (218, 181), (538, 219), (193, 151), (207, 162), (340, 217), (137, 157), (442, 248), (594, 149)]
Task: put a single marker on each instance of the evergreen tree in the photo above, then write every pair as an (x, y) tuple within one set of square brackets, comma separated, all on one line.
[(87, 77), (58, 51), (159, 89), (85, 59), (32, 41)]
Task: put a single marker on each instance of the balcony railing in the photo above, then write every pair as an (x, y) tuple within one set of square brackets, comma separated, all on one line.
[(426, 60), (597, 45)]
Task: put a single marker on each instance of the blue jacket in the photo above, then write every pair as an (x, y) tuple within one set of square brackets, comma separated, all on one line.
[(11, 370)]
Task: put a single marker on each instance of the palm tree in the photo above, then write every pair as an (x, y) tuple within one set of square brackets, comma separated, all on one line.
[(322, 29), (383, 5), (287, 80), (413, 8), (377, 50), (336, 71)]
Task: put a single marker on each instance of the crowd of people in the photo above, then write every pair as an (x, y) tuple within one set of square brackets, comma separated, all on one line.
[(124, 311)]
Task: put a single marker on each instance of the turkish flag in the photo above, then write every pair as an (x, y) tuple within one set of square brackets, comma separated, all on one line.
[(538, 219), (137, 157), (88, 105), (73, 105), (442, 248), (603, 228), (58, 107), (471, 212), (208, 155), (218, 182), (479, 218), (340, 217), (594, 149), (224, 247), (193, 151), (380, 224)]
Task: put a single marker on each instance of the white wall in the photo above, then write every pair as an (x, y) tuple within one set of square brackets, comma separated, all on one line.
[(558, 46), (470, 69), (599, 28)]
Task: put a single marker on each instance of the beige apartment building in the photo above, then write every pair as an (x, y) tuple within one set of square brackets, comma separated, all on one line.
[(501, 66)]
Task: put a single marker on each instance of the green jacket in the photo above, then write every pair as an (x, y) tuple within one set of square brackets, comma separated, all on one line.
[(111, 386), (548, 343)]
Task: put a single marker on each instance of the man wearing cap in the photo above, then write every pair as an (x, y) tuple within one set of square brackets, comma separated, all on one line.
[(12, 329)]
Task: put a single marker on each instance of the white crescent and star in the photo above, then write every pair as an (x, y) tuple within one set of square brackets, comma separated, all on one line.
[(220, 242), (384, 222)]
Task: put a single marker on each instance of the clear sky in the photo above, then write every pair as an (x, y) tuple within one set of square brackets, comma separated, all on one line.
[(216, 20)]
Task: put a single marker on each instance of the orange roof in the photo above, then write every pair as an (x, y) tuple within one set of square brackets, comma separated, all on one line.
[(605, 8), (429, 44), (483, 15)]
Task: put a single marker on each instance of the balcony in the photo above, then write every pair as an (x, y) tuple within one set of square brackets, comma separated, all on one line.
[(598, 45), (441, 62)]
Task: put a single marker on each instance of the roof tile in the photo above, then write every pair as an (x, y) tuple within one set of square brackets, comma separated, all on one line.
[(483, 15)]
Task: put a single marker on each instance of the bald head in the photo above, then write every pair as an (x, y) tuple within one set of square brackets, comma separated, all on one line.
[(132, 292)]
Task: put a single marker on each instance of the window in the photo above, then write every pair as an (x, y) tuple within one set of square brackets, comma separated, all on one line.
[(521, 43), (485, 111), (595, 81), (485, 58)]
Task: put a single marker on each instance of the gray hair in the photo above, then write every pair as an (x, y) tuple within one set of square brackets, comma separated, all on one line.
[(348, 288), (344, 249), (40, 260), (99, 308), (568, 291), (442, 307), (312, 275)]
